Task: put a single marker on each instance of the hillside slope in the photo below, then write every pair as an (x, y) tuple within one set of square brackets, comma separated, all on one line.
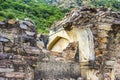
[(42, 14), (113, 4)]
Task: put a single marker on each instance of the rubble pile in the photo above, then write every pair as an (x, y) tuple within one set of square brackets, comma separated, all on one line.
[(18, 50)]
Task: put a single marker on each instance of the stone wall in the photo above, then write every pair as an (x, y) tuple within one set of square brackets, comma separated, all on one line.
[(18, 50), (104, 24)]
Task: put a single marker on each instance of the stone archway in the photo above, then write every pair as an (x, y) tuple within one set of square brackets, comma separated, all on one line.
[(58, 44)]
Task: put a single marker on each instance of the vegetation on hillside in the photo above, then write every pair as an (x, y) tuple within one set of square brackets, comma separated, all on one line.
[(42, 14), (113, 4)]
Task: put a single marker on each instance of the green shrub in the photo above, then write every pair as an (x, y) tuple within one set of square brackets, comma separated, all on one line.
[(114, 4), (5, 5), (10, 16), (1, 18), (2, 13)]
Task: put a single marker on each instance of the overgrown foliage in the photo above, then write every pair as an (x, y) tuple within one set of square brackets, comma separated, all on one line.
[(42, 14), (113, 4)]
